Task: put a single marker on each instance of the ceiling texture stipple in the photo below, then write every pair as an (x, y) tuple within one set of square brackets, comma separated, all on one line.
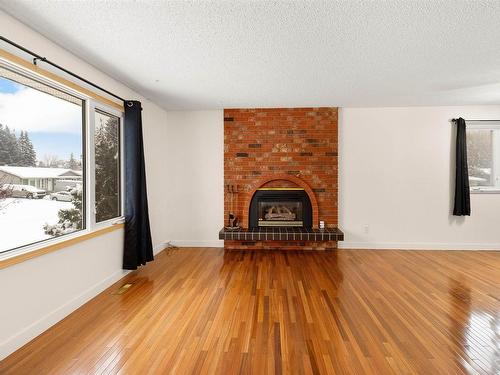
[(227, 54)]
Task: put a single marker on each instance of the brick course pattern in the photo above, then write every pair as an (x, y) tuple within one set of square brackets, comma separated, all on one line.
[(282, 147)]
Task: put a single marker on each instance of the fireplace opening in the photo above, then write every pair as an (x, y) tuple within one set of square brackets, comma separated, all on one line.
[(280, 207)]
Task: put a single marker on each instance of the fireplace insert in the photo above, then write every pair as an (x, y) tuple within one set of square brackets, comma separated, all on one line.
[(276, 207)]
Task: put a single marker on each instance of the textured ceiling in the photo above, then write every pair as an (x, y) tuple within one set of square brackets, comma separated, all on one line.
[(214, 54)]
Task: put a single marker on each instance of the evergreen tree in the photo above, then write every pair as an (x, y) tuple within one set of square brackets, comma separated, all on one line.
[(21, 145), (5, 156), (16, 151), (26, 151), (13, 147), (9, 147), (107, 170), (29, 156), (72, 163)]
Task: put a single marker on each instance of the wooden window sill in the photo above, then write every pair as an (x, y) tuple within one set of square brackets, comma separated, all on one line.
[(18, 258)]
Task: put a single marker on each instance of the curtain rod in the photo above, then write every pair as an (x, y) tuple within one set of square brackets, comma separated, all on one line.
[(37, 57), (455, 120)]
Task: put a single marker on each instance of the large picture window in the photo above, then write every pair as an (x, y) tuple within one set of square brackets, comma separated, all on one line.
[(49, 161)]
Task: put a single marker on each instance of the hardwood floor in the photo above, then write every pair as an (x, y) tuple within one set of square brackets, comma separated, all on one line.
[(341, 312)]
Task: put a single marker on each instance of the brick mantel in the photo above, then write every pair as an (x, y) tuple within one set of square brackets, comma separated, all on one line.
[(279, 180), (282, 147)]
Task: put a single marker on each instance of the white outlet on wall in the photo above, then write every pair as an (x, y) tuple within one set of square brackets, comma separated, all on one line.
[(366, 228)]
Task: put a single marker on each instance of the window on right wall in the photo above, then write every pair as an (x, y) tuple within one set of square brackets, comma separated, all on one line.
[(483, 156)]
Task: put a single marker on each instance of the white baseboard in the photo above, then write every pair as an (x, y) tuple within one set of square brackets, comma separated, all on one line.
[(159, 247), (19, 339), (355, 245), (204, 243), (418, 246)]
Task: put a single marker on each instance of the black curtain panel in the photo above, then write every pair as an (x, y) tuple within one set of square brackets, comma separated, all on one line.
[(462, 192), (138, 247)]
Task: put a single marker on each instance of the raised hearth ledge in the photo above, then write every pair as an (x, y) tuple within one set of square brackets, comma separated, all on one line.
[(282, 234)]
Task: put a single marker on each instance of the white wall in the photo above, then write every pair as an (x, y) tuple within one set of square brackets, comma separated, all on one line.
[(396, 178), (37, 293), (194, 177)]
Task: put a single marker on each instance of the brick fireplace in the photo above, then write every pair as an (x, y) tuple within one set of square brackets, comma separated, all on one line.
[(275, 149)]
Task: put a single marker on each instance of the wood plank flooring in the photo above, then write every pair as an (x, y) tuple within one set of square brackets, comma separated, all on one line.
[(197, 311)]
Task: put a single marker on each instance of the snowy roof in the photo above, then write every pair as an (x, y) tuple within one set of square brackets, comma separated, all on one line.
[(36, 172)]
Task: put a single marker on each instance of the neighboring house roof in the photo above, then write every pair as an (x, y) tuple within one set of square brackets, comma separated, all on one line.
[(36, 172)]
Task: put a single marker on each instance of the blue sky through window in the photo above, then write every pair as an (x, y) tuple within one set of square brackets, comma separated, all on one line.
[(54, 125), (8, 87)]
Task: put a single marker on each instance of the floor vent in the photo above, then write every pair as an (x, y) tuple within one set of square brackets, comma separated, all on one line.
[(123, 289)]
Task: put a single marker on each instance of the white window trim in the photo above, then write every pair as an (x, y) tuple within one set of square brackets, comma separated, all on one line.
[(89, 158), (484, 190), (483, 124), (93, 106)]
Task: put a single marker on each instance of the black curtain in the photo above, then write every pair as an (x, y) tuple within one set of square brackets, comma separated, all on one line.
[(138, 247), (462, 192)]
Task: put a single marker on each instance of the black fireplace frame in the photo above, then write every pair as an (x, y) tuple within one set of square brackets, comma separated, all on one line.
[(280, 195)]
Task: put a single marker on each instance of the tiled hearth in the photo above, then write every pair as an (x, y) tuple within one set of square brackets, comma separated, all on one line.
[(276, 148), (282, 234)]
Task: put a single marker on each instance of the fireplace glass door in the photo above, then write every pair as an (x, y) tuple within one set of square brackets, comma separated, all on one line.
[(280, 214), (280, 208)]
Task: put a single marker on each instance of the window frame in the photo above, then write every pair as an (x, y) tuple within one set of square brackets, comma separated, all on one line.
[(482, 125), (96, 106), (89, 224)]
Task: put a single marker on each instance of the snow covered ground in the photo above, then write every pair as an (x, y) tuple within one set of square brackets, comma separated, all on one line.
[(22, 220)]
